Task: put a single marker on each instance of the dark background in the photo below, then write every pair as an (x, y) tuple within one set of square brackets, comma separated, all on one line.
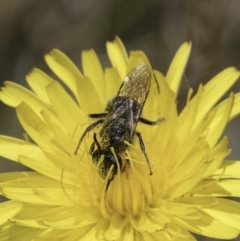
[(30, 29)]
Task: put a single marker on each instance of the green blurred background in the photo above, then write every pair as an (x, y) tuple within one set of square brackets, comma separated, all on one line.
[(30, 29)]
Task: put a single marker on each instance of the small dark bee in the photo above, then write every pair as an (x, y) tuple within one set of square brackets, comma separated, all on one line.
[(119, 122)]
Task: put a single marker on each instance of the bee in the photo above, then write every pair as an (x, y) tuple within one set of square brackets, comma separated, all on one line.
[(119, 121)]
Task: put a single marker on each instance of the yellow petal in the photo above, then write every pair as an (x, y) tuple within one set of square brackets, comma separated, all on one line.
[(228, 169), (54, 235), (60, 137), (66, 109), (89, 99), (31, 156), (224, 188), (227, 211), (13, 232), (63, 67), (187, 117), (208, 226), (93, 69), (13, 94), (118, 56), (63, 217), (34, 125), (128, 234), (37, 190), (191, 180), (216, 88), (236, 107), (216, 156), (219, 122), (38, 81), (113, 82), (177, 66), (9, 209), (136, 57)]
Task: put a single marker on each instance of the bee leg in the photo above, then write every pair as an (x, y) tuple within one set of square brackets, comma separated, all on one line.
[(93, 144), (89, 128), (97, 115), (144, 151), (91, 150), (96, 141), (150, 122)]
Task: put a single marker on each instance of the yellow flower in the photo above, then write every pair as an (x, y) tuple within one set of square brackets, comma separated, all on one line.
[(65, 199)]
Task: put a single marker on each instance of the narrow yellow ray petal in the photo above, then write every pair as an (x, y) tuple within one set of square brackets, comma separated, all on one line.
[(60, 136), (216, 88), (63, 217), (223, 188), (60, 217), (38, 81), (64, 68), (113, 82), (91, 62), (8, 209), (13, 94), (54, 235), (137, 57), (219, 122), (186, 185), (36, 193), (85, 233), (63, 220), (208, 226), (177, 66), (34, 125), (160, 105), (118, 56), (228, 169), (216, 156), (88, 96), (22, 194), (66, 109), (34, 158), (50, 170), (151, 237), (12, 232), (10, 147), (188, 116), (166, 99), (236, 107), (188, 166), (227, 211), (173, 232), (60, 159)]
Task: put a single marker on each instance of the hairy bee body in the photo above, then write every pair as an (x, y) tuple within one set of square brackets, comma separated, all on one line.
[(119, 122)]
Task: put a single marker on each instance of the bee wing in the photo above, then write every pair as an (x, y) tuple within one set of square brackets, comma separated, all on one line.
[(130, 98), (122, 108), (136, 84)]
